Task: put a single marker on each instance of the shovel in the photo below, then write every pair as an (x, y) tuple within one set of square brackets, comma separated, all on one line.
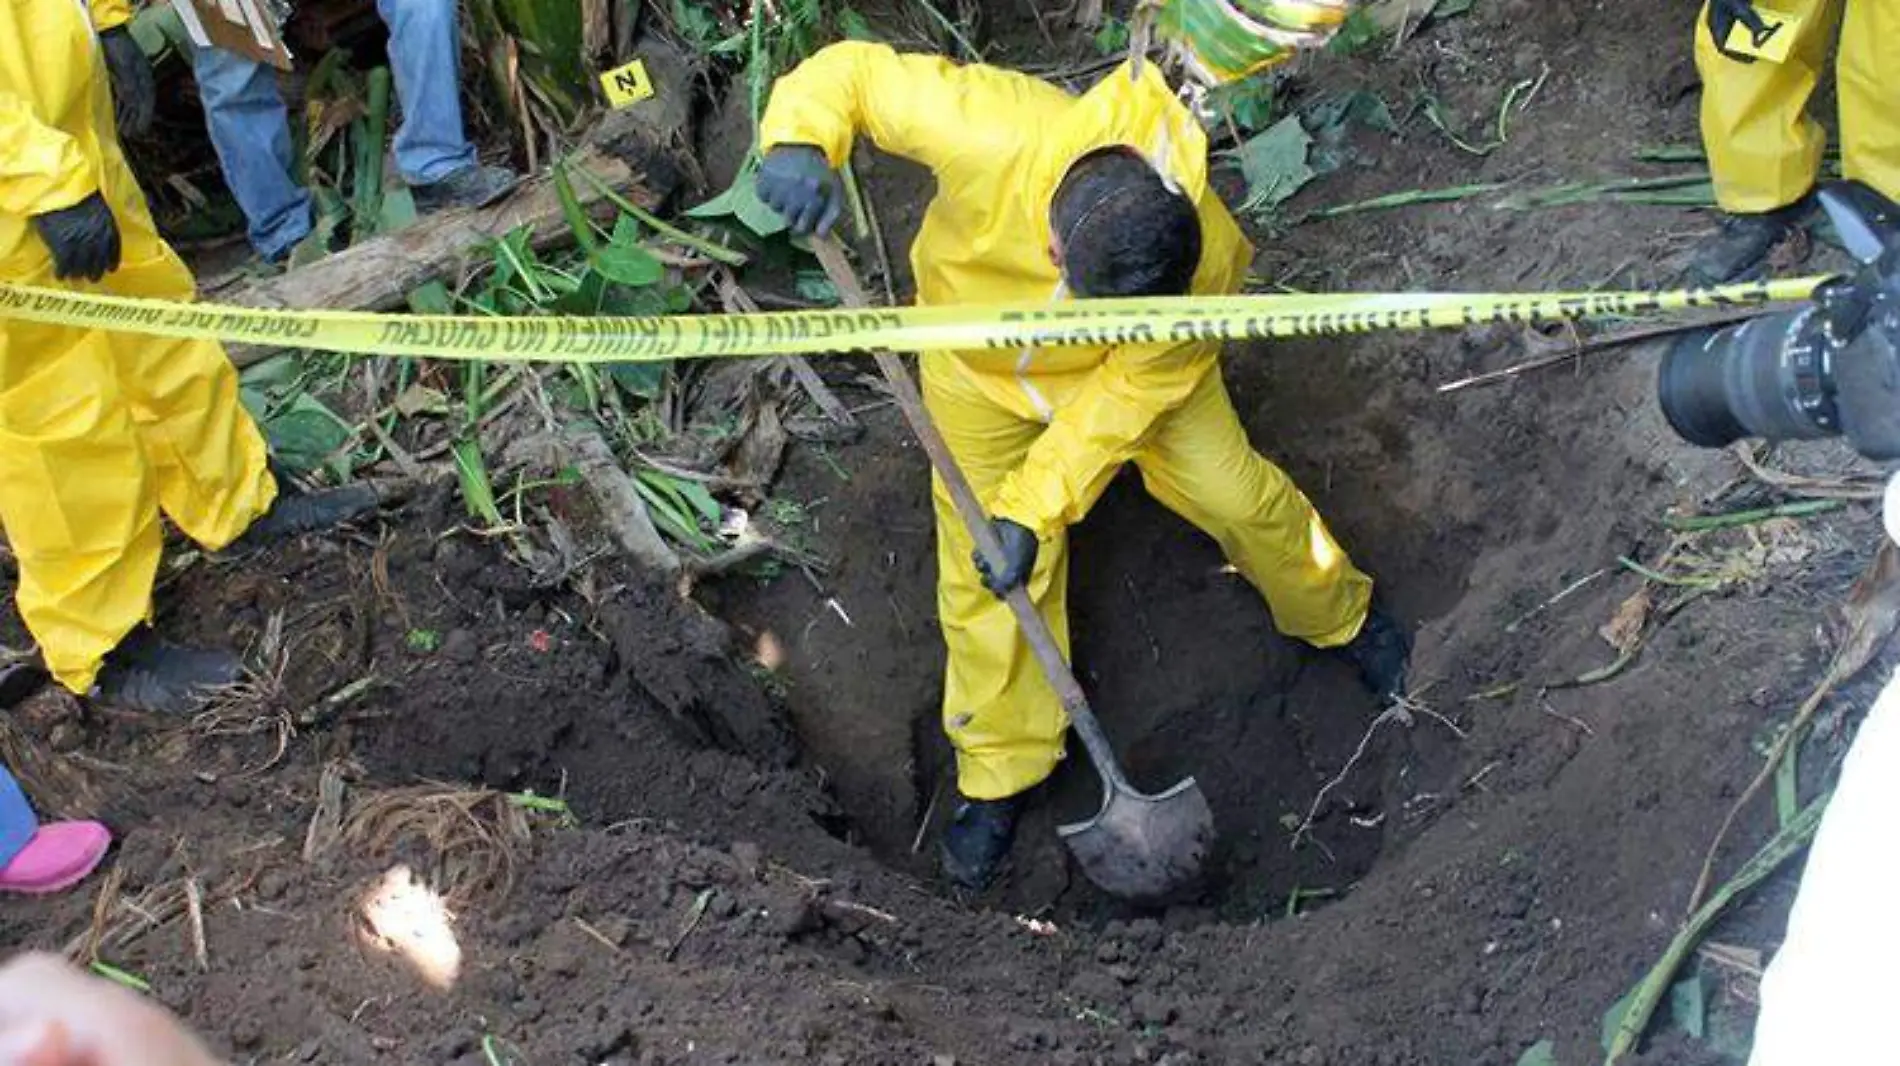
[(1138, 847)]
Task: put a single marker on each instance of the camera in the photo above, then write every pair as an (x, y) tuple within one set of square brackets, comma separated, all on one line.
[(1829, 369)]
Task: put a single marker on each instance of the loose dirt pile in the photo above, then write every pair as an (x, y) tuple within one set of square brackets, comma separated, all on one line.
[(736, 877)]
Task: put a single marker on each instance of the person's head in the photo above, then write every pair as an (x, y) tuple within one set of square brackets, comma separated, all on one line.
[(1118, 229)]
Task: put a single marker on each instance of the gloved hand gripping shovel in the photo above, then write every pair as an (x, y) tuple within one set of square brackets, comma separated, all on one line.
[(1137, 846)]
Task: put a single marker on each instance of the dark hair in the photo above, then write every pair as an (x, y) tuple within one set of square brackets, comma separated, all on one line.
[(1124, 232)]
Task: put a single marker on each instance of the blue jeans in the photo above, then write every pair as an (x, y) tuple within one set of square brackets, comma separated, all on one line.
[(17, 824), (251, 132)]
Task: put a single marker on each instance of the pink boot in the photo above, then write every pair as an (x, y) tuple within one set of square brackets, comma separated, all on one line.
[(58, 857)]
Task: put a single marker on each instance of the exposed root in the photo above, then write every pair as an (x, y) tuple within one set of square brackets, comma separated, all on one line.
[(1402, 711), (474, 837), (257, 705)]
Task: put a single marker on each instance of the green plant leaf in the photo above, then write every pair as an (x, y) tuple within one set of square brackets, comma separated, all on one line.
[(1332, 121), (1451, 9), (478, 491), (626, 264), (813, 285), (741, 201), (853, 27), (1542, 1053), (1248, 102), (1275, 163), (1613, 1018), (305, 432), (695, 23), (642, 380), (1112, 38), (573, 212), (1358, 34), (1689, 1006)]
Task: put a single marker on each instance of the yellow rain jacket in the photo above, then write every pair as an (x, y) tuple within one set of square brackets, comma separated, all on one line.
[(1041, 432), (99, 432), (1764, 149)]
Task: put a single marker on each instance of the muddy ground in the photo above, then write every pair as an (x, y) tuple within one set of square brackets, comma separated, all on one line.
[(740, 878)]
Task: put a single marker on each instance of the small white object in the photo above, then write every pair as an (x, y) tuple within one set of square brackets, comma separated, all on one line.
[(1890, 509)]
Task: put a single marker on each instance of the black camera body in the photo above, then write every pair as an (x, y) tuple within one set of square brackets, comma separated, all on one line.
[(1829, 369)]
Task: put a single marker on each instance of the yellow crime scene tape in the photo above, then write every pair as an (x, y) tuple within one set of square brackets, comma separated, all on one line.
[(607, 339)]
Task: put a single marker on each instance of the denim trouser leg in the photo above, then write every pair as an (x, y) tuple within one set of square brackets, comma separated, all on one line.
[(17, 823), (424, 52), (251, 132)]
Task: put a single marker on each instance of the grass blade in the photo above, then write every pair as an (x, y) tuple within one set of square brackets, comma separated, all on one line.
[(125, 978), (478, 491), (1406, 199), (718, 253), (1784, 845), (584, 233), (1704, 523)]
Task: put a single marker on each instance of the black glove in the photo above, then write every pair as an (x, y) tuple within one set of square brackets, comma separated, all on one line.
[(797, 181), (84, 239), (134, 94), (1019, 557), (1724, 14)]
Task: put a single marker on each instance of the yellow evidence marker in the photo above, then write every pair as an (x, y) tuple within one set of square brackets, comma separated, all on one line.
[(626, 85)]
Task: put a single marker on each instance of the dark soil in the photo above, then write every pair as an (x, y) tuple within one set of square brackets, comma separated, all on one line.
[(744, 883)]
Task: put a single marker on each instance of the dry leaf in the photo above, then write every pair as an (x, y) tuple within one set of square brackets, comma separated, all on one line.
[(1870, 613), (1624, 630)]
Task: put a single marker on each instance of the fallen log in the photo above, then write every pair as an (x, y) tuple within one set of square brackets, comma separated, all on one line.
[(639, 152)]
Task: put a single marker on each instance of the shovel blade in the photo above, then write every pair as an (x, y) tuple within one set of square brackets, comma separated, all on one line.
[(1144, 848)]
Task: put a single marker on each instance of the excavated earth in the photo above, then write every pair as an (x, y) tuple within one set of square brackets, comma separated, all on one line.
[(753, 780)]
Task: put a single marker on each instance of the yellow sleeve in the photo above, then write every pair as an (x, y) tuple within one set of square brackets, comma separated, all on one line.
[(42, 169), (1097, 431), (110, 14), (921, 107)]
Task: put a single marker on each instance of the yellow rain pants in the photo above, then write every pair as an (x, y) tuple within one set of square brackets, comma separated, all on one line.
[(99, 432), (1764, 149), (1040, 432)]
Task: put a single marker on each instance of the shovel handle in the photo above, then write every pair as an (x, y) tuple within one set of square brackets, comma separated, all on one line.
[(1035, 631)]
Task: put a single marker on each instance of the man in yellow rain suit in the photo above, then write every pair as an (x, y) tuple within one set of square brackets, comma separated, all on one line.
[(1043, 196), (1764, 149), (101, 432)]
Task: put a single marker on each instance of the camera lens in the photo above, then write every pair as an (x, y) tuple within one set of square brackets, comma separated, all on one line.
[(1764, 378)]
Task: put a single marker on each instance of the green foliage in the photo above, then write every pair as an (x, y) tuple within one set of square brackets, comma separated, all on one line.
[(1112, 38), (813, 285), (697, 25), (1332, 121), (678, 507), (852, 27), (741, 201), (1275, 164), (423, 640), (303, 432), (1359, 34), (1542, 1053), (1248, 103)]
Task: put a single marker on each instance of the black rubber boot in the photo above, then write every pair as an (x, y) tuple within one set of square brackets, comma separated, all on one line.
[(1739, 251), (475, 185), (147, 673), (978, 839), (296, 513), (1381, 652), (18, 680)]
